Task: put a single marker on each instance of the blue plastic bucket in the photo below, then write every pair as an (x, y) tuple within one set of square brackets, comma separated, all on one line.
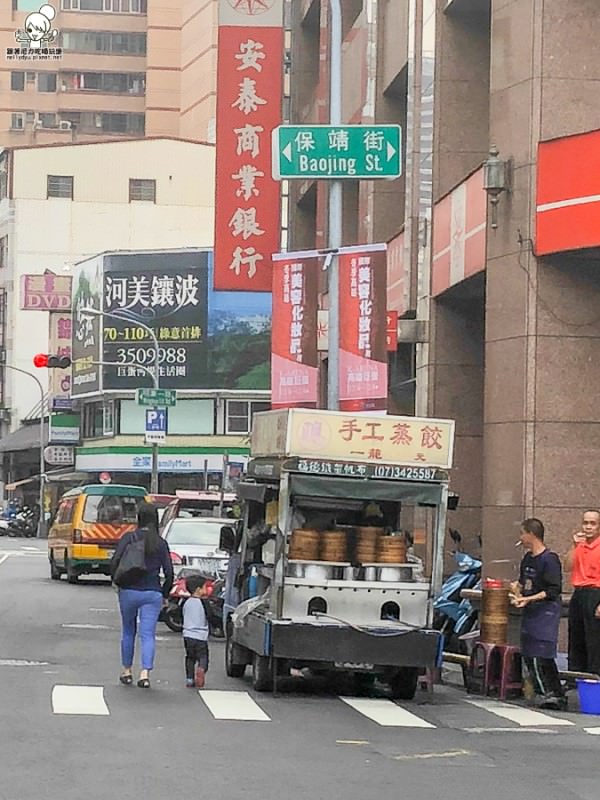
[(589, 696)]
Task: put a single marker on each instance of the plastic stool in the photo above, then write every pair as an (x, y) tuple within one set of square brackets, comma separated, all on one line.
[(429, 678), (479, 673), (506, 675)]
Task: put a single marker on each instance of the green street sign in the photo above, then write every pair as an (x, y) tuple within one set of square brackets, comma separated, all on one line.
[(334, 152), (163, 398)]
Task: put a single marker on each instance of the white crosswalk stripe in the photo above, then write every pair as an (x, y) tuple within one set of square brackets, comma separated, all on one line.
[(386, 713), (80, 700), (521, 716), (233, 706)]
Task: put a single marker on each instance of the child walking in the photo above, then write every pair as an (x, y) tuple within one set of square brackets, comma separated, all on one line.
[(195, 633)]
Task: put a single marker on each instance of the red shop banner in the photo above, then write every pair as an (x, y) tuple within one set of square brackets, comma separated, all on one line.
[(294, 357), (249, 97), (363, 360)]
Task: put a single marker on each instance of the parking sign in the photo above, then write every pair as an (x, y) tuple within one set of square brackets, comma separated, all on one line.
[(156, 425)]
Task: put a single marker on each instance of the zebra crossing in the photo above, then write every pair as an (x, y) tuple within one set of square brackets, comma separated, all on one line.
[(244, 707)]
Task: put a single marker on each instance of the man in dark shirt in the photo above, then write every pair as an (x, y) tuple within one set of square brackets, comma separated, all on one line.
[(538, 594)]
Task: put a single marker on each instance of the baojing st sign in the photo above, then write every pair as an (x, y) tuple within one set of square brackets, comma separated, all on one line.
[(335, 152)]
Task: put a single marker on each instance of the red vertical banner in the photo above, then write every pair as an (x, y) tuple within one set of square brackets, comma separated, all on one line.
[(294, 358), (363, 363), (249, 97)]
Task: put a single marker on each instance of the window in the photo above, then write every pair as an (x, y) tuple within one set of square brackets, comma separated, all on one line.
[(240, 413), (3, 252), (47, 120), (65, 511), (26, 5), (93, 420), (17, 81), (116, 6), (122, 123), (111, 508), (104, 42), (60, 186), (109, 82), (30, 77), (47, 82), (143, 189), (91, 5), (3, 176), (17, 121), (108, 425)]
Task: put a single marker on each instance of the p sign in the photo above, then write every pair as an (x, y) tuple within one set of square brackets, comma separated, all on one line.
[(156, 425)]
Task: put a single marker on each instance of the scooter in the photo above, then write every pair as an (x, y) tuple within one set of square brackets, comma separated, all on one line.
[(455, 616), (172, 614)]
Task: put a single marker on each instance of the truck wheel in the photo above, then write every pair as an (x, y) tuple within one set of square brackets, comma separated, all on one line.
[(231, 668), (404, 683), (72, 575), (262, 680), (55, 572)]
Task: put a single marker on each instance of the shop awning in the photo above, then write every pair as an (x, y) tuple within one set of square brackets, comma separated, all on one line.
[(56, 476), (25, 438)]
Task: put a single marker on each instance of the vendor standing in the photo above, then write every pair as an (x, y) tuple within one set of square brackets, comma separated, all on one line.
[(583, 561), (538, 594)]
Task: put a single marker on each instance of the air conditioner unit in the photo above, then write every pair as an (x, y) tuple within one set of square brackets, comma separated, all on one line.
[(64, 125)]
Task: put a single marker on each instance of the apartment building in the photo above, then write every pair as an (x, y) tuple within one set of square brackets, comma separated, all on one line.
[(127, 68), (498, 287)]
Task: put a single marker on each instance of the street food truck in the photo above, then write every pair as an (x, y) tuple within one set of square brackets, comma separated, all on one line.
[(339, 555)]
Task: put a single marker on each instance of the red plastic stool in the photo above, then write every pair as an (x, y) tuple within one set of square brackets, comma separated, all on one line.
[(480, 671), (506, 674)]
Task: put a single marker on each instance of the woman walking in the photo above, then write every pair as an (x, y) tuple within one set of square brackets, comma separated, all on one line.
[(141, 596)]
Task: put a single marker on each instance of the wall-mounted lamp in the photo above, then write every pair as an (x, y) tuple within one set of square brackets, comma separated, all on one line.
[(496, 179)]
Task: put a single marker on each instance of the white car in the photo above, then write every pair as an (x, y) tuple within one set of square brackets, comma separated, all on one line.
[(195, 543)]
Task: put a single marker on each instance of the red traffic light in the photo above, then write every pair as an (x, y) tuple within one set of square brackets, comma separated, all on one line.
[(52, 362)]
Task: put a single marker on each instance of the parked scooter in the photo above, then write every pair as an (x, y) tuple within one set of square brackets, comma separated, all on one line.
[(23, 524), (455, 616), (172, 614)]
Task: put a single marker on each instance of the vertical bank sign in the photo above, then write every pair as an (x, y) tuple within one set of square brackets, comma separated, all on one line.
[(363, 363), (168, 293), (294, 357), (249, 97)]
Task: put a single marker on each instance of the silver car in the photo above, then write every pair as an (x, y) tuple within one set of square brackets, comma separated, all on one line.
[(195, 543)]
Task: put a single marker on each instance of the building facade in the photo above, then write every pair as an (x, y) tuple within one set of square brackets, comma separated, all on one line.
[(497, 300), (62, 203), (128, 68)]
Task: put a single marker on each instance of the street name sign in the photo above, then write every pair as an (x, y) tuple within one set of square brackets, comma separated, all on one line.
[(156, 425), (335, 152), (166, 398)]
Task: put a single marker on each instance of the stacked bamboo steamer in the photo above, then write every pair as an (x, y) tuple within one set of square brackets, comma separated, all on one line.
[(304, 545), (495, 605), (366, 544), (334, 546), (391, 550)]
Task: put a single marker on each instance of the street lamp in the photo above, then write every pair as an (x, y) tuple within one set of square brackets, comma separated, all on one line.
[(41, 532), (94, 312), (495, 180)]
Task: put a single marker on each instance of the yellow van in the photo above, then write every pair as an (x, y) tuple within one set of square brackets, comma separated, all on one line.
[(89, 522)]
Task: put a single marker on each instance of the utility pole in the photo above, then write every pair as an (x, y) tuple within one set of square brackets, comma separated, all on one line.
[(335, 210)]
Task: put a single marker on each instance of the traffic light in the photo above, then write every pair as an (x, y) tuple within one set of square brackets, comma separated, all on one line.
[(51, 362)]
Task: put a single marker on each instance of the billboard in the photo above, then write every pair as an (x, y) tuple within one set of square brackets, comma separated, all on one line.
[(294, 357), (59, 344), (86, 329), (47, 292), (207, 339), (249, 101)]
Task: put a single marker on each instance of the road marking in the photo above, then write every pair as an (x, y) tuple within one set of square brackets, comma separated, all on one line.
[(386, 713), (86, 700), (449, 754), (86, 626), (3, 558), (16, 662), (34, 549), (522, 716), (352, 741), (593, 731), (507, 730), (233, 706)]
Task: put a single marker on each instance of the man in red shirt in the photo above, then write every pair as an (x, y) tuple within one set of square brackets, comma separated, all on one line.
[(583, 561)]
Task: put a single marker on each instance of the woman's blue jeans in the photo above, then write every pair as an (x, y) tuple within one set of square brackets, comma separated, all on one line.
[(141, 608)]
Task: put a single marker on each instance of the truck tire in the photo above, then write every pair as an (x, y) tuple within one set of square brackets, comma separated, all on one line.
[(232, 669), (262, 680), (72, 575), (404, 683), (55, 571)]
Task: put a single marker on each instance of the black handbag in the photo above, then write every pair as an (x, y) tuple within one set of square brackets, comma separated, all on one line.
[(132, 565)]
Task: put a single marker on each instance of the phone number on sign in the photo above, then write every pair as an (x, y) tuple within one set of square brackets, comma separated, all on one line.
[(146, 356), (404, 473)]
